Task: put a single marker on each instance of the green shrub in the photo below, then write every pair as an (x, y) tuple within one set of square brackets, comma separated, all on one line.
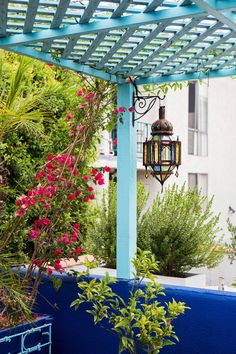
[(181, 231), (101, 232), (141, 322)]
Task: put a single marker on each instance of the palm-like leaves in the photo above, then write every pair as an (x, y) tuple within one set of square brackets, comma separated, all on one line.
[(19, 111)]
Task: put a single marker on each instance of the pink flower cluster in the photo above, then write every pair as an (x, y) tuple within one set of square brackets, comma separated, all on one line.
[(123, 109)]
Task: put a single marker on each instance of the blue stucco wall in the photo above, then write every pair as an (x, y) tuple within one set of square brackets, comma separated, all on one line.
[(208, 328)]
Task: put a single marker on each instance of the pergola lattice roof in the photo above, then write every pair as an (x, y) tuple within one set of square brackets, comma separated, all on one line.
[(152, 40)]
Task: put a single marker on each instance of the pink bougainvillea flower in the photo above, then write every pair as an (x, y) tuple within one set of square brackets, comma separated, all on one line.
[(83, 89), (93, 172), (75, 172), (86, 178), (58, 252), (46, 206), (79, 93), (86, 199), (116, 110), (70, 124), (79, 128), (50, 157), (72, 196), (49, 165), (71, 132), (37, 232), (82, 105), (76, 226), (32, 234), (78, 192), (115, 142), (121, 109), (131, 109), (98, 176), (101, 182), (90, 188), (49, 271), (107, 169), (78, 250), (36, 262), (89, 95), (69, 116), (91, 196)]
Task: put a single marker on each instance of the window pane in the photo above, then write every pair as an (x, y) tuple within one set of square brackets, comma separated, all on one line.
[(192, 97), (192, 180), (203, 145), (203, 114), (203, 183)]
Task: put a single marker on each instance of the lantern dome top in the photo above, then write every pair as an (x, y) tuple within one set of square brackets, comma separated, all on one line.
[(162, 126)]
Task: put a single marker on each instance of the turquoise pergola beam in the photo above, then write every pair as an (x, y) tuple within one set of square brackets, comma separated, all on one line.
[(104, 25), (126, 186), (68, 64), (3, 17), (155, 79), (30, 15), (209, 6)]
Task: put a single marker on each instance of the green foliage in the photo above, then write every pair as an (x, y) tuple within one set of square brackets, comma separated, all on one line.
[(181, 231), (101, 232), (231, 247), (141, 322)]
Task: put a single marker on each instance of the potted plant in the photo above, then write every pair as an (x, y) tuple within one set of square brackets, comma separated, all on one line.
[(181, 231), (49, 216), (178, 228), (141, 322)]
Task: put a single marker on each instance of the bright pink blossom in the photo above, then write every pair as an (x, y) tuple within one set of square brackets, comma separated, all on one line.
[(58, 252), (89, 95), (107, 169), (121, 109), (79, 93), (101, 182), (86, 199), (91, 196), (86, 178), (115, 142), (131, 109), (49, 271), (72, 196), (70, 124), (90, 188), (78, 250), (69, 116), (79, 127), (71, 132), (116, 110)]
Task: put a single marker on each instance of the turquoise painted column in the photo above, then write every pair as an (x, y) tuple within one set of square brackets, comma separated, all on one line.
[(126, 186)]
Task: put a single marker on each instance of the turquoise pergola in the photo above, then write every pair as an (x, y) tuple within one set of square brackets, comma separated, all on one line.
[(154, 41)]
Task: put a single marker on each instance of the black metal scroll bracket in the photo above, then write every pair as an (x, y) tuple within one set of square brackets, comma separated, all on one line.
[(143, 104)]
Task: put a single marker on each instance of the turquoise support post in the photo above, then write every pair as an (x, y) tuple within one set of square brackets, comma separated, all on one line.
[(126, 186)]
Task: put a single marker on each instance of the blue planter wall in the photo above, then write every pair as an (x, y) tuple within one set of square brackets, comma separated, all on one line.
[(208, 328), (27, 338)]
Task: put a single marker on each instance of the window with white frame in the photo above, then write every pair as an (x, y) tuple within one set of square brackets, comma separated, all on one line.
[(198, 119), (199, 181)]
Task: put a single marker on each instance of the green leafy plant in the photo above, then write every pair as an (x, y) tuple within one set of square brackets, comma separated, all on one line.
[(231, 247), (101, 231), (181, 231), (141, 322)]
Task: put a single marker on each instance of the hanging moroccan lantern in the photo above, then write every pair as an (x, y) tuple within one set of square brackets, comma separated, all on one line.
[(161, 153)]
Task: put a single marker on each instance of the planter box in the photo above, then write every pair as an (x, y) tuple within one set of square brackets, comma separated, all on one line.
[(28, 337), (191, 280)]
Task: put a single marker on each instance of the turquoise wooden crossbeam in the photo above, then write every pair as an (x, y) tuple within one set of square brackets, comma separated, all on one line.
[(101, 26), (66, 64)]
